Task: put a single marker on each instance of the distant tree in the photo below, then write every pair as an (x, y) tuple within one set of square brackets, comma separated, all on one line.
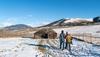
[(96, 19)]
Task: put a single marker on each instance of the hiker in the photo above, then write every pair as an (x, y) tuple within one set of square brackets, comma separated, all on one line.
[(65, 40), (62, 40), (69, 41)]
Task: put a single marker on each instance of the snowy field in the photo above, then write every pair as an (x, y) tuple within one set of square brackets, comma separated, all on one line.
[(26, 47), (87, 33), (82, 29), (16, 47)]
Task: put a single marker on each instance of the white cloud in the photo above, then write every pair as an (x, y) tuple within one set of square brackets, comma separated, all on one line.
[(38, 24), (27, 16), (15, 20), (8, 22), (44, 23), (18, 20)]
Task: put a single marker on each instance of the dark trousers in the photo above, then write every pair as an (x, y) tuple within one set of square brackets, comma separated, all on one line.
[(66, 45), (61, 44), (69, 47)]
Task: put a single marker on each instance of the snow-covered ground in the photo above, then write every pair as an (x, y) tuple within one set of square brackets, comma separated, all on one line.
[(26, 47), (81, 29), (16, 47)]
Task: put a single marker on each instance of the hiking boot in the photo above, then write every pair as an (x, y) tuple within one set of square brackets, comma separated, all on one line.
[(65, 47), (62, 49)]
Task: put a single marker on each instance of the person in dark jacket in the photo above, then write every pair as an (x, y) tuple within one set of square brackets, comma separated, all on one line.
[(66, 41), (62, 40)]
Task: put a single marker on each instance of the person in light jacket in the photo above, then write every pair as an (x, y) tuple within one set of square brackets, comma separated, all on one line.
[(69, 39)]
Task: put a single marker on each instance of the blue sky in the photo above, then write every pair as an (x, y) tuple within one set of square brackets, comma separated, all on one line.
[(40, 12)]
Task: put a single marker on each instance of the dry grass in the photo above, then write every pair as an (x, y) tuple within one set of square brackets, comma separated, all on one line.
[(42, 42), (87, 37), (19, 33)]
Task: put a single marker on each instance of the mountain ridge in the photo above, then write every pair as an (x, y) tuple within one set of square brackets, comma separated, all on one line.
[(69, 22), (17, 27)]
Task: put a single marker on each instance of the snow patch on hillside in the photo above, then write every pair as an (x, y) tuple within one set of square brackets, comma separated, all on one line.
[(78, 20), (81, 29)]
